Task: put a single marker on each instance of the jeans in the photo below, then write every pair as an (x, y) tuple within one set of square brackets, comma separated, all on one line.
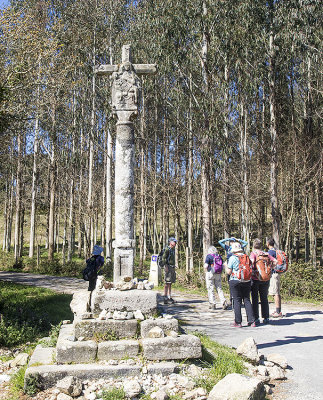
[(260, 288), (241, 291)]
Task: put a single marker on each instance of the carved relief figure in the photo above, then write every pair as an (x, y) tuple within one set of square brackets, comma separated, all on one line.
[(125, 88)]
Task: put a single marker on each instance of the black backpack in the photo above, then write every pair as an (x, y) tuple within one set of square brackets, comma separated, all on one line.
[(90, 271), (160, 258)]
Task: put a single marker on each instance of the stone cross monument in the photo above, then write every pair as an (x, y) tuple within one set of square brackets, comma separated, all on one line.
[(126, 89)]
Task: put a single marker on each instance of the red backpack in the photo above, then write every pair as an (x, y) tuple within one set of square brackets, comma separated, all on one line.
[(244, 271), (263, 266), (282, 261)]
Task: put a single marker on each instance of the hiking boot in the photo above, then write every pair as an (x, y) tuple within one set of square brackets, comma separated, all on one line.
[(255, 323), (235, 325), (266, 321), (275, 314), (225, 305), (166, 301), (171, 301)]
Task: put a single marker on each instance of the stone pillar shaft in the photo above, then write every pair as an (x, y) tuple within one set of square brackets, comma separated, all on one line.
[(124, 201)]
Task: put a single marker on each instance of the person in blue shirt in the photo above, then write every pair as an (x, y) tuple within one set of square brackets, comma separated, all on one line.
[(227, 248), (240, 289)]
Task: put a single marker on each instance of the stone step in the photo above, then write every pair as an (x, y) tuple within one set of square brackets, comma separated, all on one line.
[(165, 324), (90, 328), (46, 376), (118, 349), (172, 348)]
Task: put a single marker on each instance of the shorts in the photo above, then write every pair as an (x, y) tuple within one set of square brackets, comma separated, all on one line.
[(170, 275), (274, 286)]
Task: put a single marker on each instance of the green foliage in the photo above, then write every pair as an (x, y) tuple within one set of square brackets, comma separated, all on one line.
[(32, 384), (17, 383), (221, 361), (51, 341), (113, 394), (302, 280), (109, 334), (29, 313)]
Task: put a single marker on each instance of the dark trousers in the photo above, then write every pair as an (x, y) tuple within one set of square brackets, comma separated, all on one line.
[(241, 291), (92, 283), (260, 288)]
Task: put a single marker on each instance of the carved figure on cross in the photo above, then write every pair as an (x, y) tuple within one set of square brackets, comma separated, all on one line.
[(126, 86)]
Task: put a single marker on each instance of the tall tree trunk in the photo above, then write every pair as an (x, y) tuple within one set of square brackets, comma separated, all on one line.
[(225, 204), (52, 190), (18, 198), (273, 134)]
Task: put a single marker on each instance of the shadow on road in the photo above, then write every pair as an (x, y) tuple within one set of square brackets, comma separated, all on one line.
[(313, 312), (290, 340)]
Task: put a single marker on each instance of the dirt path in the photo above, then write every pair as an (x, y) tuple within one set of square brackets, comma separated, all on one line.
[(298, 336)]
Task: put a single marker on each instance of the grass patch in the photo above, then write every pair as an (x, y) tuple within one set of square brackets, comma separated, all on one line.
[(113, 394), (29, 313), (220, 361)]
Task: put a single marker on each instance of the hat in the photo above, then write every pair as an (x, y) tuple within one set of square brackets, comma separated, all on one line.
[(97, 250), (172, 239), (236, 247)]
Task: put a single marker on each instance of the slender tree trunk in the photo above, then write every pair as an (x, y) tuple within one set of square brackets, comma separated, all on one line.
[(18, 198), (275, 213)]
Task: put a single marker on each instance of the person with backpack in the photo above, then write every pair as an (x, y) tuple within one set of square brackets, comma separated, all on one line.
[(239, 269), (93, 265), (168, 262), (262, 264), (213, 267), (227, 248), (281, 266)]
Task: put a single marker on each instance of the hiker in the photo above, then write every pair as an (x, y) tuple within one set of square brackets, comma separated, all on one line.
[(228, 252), (274, 286), (239, 269), (168, 260), (96, 261), (213, 267), (262, 264)]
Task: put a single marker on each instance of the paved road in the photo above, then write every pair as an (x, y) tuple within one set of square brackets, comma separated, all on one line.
[(298, 336)]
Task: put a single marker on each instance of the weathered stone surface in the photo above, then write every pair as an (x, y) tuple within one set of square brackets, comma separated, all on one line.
[(277, 359), (168, 348), (78, 352), (20, 360), (49, 375), (70, 385), (138, 315), (248, 349), (236, 386), (63, 396), (276, 373), (161, 395), (121, 328), (131, 300), (118, 349), (156, 332), (166, 325), (162, 368), (199, 393), (80, 303), (132, 388), (42, 355)]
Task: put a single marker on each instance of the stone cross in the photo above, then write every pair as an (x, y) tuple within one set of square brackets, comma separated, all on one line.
[(126, 90)]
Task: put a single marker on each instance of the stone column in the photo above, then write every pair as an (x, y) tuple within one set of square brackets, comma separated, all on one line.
[(124, 245)]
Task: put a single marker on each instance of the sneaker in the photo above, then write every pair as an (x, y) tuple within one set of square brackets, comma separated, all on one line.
[(275, 314), (266, 321), (171, 301), (225, 305), (235, 325), (255, 323)]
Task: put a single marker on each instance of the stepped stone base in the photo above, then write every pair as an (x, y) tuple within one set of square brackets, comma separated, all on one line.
[(42, 355), (165, 324), (89, 327), (48, 375), (117, 350), (169, 348), (131, 300)]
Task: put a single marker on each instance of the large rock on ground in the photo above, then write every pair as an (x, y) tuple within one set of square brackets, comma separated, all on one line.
[(169, 348), (248, 349), (129, 300), (238, 387), (70, 385), (80, 303), (277, 359)]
